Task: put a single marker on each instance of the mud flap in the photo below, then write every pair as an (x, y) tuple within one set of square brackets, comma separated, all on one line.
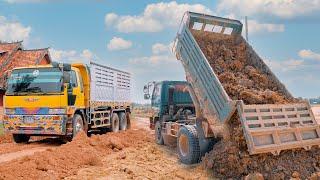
[(206, 144)]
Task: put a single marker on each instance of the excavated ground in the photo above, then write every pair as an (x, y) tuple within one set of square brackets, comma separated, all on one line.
[(129, 154), (229, 58)]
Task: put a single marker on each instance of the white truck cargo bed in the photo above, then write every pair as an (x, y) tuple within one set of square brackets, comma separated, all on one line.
[(109, 85)]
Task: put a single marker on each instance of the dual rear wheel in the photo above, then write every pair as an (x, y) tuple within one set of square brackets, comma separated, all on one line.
[(191, 145), (119, 121)]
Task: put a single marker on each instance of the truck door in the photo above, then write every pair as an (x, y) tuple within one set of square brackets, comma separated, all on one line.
[(156, 99), (77, 88)]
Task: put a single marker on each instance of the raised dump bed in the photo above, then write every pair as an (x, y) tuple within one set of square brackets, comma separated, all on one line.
[(272, 120)]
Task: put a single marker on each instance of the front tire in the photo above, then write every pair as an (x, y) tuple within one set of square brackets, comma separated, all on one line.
[(123, 121), (188, 145), (21, 138), (158, 133), (115, 122), (77, 125)]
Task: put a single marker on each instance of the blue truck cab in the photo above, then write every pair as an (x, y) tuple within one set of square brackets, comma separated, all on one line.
[(170, 101)]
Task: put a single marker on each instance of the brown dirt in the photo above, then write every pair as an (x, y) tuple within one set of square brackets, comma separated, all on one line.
[(6, 138), (124, 155), (228, 56), (229, 59)]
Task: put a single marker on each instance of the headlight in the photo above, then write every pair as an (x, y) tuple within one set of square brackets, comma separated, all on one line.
[(57, 111), (9, 111)]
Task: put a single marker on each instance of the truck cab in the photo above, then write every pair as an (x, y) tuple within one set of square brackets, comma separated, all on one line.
[(172, 108), (170, 101)]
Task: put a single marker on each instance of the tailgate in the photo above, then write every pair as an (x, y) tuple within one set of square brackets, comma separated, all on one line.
[(273, 128)]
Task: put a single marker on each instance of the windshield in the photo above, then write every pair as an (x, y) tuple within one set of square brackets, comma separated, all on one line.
[(40, 80)]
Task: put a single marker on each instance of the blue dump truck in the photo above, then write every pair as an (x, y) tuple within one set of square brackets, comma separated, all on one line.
[(174, 116), (195, 114)]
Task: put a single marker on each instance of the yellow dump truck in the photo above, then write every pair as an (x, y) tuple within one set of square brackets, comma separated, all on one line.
[(64, 99)]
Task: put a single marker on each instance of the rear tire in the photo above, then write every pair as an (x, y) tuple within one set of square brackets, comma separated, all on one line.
[(158, 133), (123, 121), (115, 122), (21, 138), (188, 145), (128, 120)]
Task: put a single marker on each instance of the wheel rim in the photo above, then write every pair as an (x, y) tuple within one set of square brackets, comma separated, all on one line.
[(183, 145), (79, 125)]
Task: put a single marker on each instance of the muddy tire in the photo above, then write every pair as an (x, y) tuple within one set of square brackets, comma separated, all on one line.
[(123, 121), (158, 133), (115, 122), (77, 125), (128, 120), (188, 145), (21, 138)]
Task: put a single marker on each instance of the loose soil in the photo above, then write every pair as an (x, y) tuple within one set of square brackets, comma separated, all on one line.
[(242, 80), (124, 155)]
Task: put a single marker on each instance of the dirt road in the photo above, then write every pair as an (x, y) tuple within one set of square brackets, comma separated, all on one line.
[(125, 155)]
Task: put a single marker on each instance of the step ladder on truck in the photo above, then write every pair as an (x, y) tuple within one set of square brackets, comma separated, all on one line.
[(267, 128)]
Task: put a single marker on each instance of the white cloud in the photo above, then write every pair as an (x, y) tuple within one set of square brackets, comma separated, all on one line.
[(284, 66), (256, 27), (308, 54), (160, 48), (84, 56), (155, 17), (110, 18), (13, 31), (117, 43), (280, 8), (161, 54)]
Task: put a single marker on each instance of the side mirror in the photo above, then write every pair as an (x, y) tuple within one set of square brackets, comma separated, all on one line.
[(145, 89), (55, 64), (66, 77), (146, 96), (66, 67)]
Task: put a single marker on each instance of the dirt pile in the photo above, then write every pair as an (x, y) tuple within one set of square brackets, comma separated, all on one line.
[(243, 80), (68, 158), (6, 138)]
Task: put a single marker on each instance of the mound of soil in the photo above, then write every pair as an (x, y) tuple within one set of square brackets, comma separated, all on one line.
[(67, 159), (247, 79), (6, 138)]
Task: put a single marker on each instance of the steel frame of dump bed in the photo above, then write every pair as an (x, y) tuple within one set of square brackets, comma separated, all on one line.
[(273, 128), (266, 132)]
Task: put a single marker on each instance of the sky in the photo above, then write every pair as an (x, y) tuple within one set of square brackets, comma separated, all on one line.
[(137, 36)]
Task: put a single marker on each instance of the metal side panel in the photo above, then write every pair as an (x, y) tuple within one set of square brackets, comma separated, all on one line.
[(211, 95), (109, 84), (273, 128)]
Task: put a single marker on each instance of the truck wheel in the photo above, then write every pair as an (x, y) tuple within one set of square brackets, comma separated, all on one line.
[(123, 121), (115, 122), (188, 145), (128, 120), (21, 138), (77, 124), (158, 133)]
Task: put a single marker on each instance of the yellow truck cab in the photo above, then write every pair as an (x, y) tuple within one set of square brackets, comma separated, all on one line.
[(63, 99)]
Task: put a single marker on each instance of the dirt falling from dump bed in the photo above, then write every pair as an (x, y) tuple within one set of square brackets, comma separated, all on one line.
[(228, 56)]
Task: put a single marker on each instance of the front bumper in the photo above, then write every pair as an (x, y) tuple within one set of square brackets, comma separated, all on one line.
[(40, 125)]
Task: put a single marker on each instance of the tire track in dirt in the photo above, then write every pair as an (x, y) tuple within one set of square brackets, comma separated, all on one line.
[(19, 154)]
